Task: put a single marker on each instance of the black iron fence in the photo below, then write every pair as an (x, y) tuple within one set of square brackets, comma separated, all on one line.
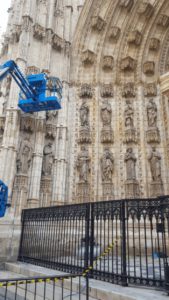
[(45, 288), (75, 238)]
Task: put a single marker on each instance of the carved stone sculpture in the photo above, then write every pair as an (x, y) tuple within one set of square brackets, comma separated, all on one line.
[(84, 114), (130, 132), (84, 133), (83, 165), (150, 90), (131, 184), (129, 90), (128, 64), (88, 57), (149, 68), (106, 112), (108, 62), (107, 166), (24, 157), (98, 23), (153, 135), (130, 160), (152, 113), (135, 37), (106, 116), (107, 90), (154, 44), (163, 20), (8, 86), (156, 186), (114, 33), (48, 158), (39, 32), (86, 91)]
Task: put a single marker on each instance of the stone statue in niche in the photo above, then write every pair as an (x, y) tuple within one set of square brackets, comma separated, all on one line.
[(153, 134), (155, 165), (83, 165), (106, 113), (156, 186), (24, 157), (152, 113), (84, 133), (106, 116), (130, 132), (129, 115), (48, 158), (84, 114), (130, 161), (131, 184), (107, 166)]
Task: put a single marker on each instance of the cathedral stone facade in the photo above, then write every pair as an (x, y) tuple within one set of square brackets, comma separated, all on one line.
[(111, 138)]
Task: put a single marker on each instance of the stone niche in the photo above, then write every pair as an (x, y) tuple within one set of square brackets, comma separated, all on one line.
[(154, 44), (98, 23), (128, 64), (146, 9), (135, 37), (114, 33), (88, 57), (149, 68), (108, 63), (163, 21), (107, 91), (129, 90)]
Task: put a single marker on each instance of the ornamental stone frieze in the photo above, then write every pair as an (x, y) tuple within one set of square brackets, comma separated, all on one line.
[(57, 42), (135, 37), (128, 64), (131, 183), (129, 90), (156, 186), (46, 186), (152, 134), (84, 132), (98, 23), (149, 68), (150, 90), (83, 165), (39, 32), (154, 44), (107, 90), (114, 33), (106, 117), (21, 182), (126, 4), (130, 131), (163, 21), (146, 9), (107, 170), (86, 91), (27, 124), (88, 57), (108, 63)]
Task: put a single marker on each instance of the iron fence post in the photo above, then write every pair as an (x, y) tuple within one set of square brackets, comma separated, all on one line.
[(123, 245)]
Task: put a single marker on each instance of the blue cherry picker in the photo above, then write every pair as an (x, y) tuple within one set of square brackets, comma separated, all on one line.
[(38, 93)]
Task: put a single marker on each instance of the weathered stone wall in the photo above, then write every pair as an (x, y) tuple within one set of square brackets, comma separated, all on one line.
[(111, 138)]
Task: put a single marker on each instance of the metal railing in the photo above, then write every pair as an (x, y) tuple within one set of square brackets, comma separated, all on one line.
[(73, 238), (45, 288)]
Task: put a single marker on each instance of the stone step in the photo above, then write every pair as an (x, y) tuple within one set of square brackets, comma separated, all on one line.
[(98, 290)]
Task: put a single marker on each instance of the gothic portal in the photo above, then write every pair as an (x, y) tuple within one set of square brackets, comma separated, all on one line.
[(111, 138)]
